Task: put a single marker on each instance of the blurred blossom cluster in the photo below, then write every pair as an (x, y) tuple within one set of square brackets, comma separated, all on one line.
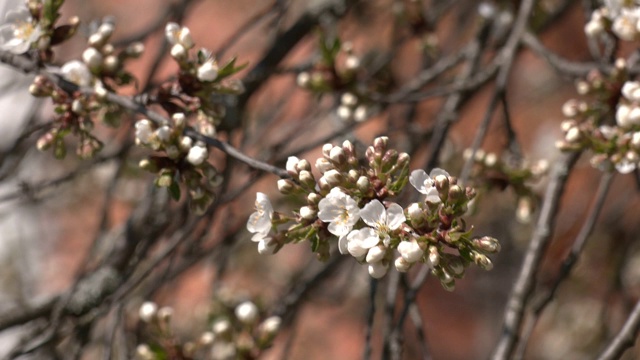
[(350, 204), (621, 17), (237, 330), (492, 171), (590, 124)]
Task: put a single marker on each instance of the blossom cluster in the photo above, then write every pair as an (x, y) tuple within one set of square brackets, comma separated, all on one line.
[(238, 330), (348, 205), (179, 159), (588, 125), (508, 170), (621, 17), (337, 69)]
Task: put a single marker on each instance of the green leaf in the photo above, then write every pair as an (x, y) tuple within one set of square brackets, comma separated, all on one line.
[(230, 68), (174, 191), (315, 243)]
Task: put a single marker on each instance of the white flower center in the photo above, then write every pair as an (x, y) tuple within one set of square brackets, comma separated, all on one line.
[(23, 30)]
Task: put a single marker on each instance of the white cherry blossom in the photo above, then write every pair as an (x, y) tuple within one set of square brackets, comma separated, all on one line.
[(358, 242), (425, 184), (410, 251), (77, 72), (18, 32), (382, 220), (260, 221), (340, 211)]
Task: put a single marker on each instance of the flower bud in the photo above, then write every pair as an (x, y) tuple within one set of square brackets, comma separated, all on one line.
[(111, 63), (434, 256), (389, 159), (410, 251), (337, 156), (221, 327), (270, 326), (144, 352), (343, 112), (323, 165), (380, 144), (573, 135), (307, 178), (482, 261), (207, 71), (247, 312), (487, 244), (353, 176), (178, 52), (455, 193), (326, 150), (303, 165), (376, 254), (186, 143), (402, 265), (304, 79), (286, 186), (363, 184), (148, 311), (92, 57), (165, 314), (308, 213), (135, 50), (361, 113), (349, 148), (313, 198), (377, 270), (490, 160), (292, 161), (333, 177)]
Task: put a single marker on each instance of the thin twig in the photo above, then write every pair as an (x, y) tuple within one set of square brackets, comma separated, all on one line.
[(371, 312), (625, 338)]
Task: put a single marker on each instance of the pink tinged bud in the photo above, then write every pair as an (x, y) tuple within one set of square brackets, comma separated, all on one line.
[(308, 213), (376, 254), (337, 155), (348, 147), (402, 265), (247, 312), (380, 144), (377, 270), (286, 186), (323, 165)]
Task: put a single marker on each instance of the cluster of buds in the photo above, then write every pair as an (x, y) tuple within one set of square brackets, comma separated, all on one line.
[(183, 160), (200, 77), (620, 17), (102, 69), (349, 205), (238, 331), (336, 71), (586, 127), (499, 172), (352, 108)]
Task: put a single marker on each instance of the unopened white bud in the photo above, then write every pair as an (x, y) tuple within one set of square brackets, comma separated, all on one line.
[(148, 311), (92, 57), (285, 186), (326, 149), (221, 327), (271, 325), (348, 99), (491, 160), (185, 38), (186, 143), (375, 254), (323, 165), (573, 135), (308, 213), (208, 71), (410, 251), (402, 265), (247, 312), (343, 112), (165, 313), (306, 177), (377, 270), (178, 52), (171, 31), (197, 155), (333, 177), (352, 62), (361, 113), (363, 183), (303, 79), (337, 155), (106, 29)]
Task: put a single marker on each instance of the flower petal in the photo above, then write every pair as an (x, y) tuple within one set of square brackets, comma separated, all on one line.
[(395, 216), (374, 213), (368, 238), (417, 179), (437, 171)]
